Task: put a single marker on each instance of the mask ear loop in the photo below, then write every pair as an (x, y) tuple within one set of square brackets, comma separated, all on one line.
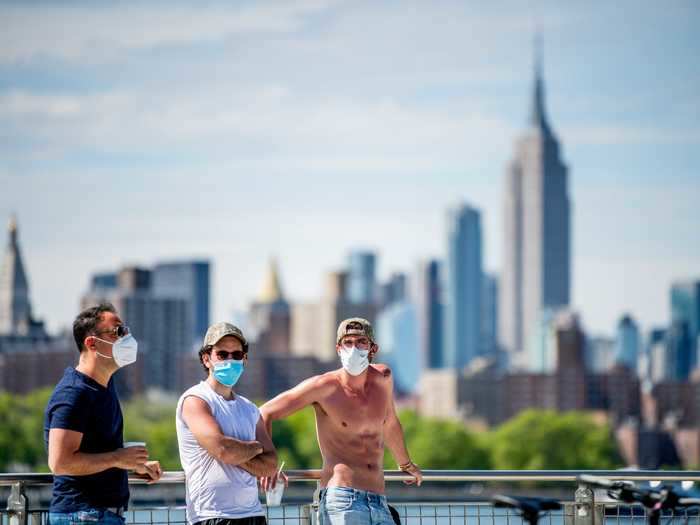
[(102, 355)]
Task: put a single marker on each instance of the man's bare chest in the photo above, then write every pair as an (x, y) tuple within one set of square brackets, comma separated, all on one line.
[(357, 413)]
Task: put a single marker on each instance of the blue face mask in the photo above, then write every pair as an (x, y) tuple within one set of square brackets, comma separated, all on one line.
[(228, 372)]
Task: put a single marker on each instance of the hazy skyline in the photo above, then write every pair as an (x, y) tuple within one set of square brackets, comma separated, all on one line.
[(135, 133)]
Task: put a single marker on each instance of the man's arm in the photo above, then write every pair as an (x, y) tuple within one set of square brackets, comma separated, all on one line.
[(394, 438), (207, 432), (294, 399), (264, 464), (65, 459)]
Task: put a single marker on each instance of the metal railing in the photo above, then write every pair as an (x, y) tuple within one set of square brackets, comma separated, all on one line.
[(583, 508)]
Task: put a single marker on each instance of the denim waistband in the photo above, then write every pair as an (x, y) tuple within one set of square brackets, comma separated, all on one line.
[(357, 494)]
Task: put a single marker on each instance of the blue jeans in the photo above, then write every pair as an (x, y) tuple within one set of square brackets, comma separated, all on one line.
[(85, 517), (346, 506)]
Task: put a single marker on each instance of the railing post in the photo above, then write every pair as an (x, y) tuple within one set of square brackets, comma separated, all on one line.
[(584, 506), (17, 505)]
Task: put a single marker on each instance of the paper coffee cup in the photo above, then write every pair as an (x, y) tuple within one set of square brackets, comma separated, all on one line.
[(274, 496), (128, 444)]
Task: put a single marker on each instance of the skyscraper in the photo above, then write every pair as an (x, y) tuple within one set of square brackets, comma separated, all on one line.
[(685, 319), (463, 287), (536, 256), (362, 280), (427, 295), (187, 280), (627, 343), (270, 315), (15, 308), (161, 323), (397, 336), (489, 314)]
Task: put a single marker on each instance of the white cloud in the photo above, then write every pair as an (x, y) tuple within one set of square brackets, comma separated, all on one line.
[(90, 33), (612, 134)]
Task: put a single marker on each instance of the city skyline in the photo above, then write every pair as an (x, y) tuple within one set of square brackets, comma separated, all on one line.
[(235, 137)]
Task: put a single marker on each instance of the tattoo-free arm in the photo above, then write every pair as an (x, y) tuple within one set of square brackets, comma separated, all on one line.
[(264, 464), (207, 432), (394, 438), (294, 399), (65, 458)]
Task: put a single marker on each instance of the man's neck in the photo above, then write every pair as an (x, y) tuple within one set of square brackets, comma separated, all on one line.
[(356, 384), (224, 391), (95, 370)]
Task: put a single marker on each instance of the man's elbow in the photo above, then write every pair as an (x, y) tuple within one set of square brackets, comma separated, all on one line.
[(58, 467)]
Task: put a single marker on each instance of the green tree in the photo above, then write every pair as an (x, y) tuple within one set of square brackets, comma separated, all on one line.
[(440, 444), (545, 439)]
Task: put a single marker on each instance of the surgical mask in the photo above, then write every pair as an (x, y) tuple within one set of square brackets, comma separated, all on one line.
[(228, 372), (355, 361), (124, 350)]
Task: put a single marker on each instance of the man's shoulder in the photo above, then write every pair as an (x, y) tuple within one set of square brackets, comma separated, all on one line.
[(320, 382), (72, 386), (380, 371)]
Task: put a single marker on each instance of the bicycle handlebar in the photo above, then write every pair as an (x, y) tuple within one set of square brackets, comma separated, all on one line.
[(665, 497)]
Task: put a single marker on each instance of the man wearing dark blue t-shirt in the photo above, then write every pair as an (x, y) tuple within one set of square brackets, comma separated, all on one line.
[(83, 427)]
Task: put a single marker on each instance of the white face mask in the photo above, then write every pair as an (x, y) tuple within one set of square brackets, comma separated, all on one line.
[(355, 361), (124, 350)]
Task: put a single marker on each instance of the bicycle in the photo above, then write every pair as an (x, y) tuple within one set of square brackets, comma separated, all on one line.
[(531, 509), (654, 500)]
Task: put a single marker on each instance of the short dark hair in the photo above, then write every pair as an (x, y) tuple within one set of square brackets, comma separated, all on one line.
[(206, 349), (87, 320)]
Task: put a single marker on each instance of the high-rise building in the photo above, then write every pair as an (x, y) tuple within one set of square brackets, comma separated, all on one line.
[(333, 308), (541, 356), (362, 280), (187, 280), (270, 315), (536, 271), (657, 349), (600, 354), (680, 356), (627, 343), (489, 314), (397, 336), (393, 291), (427, 296), (161, 323), (685, 310), (463, 287), (15, 307), (304, 335)]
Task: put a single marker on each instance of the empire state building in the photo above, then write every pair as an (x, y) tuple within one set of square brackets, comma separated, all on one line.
[(536, 274)]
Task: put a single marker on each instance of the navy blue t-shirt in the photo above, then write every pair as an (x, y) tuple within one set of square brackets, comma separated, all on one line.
[(80, 403)]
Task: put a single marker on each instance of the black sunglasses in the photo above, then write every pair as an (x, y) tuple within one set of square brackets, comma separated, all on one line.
[(119, 331), (236, 355)]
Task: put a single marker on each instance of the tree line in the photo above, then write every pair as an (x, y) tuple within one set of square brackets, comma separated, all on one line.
[(534, 439)]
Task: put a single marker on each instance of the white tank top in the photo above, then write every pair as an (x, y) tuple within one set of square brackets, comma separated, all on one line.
[(215, 489)]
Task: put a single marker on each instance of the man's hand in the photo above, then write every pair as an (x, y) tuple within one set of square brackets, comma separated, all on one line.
[(269, 482), (150, 470), (131, 458), (412, 469)]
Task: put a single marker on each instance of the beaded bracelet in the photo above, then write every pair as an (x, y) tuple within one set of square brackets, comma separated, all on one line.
[(407, 465)]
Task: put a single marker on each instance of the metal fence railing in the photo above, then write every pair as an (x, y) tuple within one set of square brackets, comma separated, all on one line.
[(581, 507)]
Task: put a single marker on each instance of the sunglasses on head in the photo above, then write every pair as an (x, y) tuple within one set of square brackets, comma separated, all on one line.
[(236, 355)]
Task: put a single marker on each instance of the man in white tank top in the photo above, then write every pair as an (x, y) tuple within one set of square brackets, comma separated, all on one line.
[(223, 443)]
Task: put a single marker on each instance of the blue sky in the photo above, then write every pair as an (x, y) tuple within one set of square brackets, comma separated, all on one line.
[(136, 132)]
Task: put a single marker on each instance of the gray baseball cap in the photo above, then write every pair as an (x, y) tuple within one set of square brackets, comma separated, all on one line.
[(355, 326), (219, 330)]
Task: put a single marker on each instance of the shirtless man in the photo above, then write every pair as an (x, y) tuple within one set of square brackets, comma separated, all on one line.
[(355, 419)]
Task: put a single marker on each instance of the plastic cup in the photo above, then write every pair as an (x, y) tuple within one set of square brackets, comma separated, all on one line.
[(274, 496), (128, 444)]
